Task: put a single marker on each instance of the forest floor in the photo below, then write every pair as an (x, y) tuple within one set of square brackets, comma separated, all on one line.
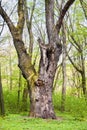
[(64, 122)]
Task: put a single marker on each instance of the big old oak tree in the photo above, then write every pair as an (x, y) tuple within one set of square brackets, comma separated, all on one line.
[(41, 83)]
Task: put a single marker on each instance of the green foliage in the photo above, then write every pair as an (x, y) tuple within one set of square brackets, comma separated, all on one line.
[(57, 101), (10, 98), (75, 106), (11, 102)]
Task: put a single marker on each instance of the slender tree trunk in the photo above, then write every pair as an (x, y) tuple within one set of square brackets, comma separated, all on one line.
[(82, 69), (7, 78), (2, 112), (10, 69), (83, 75), (63, 69), (24, 99), (83, 83), (19, 87)]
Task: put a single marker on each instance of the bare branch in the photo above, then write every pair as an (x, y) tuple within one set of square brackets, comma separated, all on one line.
[(29, 21), (13, 9), (74, 45), (7, 20), (62, 14), (33, 8), (2, 28), (76, 67), (39, 29), (78, 46), (29, 25)]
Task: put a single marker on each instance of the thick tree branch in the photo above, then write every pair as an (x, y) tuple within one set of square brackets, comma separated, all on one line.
[(21, 20), (49, 13), (62, 14), (23, 58), (20, 23)]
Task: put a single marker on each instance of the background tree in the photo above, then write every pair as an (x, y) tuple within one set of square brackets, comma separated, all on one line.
[(79, 46), (2, 111)]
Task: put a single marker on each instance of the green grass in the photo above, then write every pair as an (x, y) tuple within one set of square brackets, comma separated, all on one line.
[(19, 122)]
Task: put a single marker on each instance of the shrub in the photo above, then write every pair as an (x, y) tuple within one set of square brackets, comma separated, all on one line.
[(73, 105), (11, 102)]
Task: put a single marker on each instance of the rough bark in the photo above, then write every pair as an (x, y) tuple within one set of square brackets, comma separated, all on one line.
[(41, 101), (41, 94)]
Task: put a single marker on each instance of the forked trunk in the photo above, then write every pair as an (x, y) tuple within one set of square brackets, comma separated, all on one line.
[(41, 93), (40, 87)]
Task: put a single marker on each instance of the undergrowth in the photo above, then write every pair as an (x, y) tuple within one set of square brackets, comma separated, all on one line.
[(75, 106)]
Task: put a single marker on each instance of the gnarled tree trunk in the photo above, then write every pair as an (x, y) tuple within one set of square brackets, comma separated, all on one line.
[(41, 83), (41, 94)]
